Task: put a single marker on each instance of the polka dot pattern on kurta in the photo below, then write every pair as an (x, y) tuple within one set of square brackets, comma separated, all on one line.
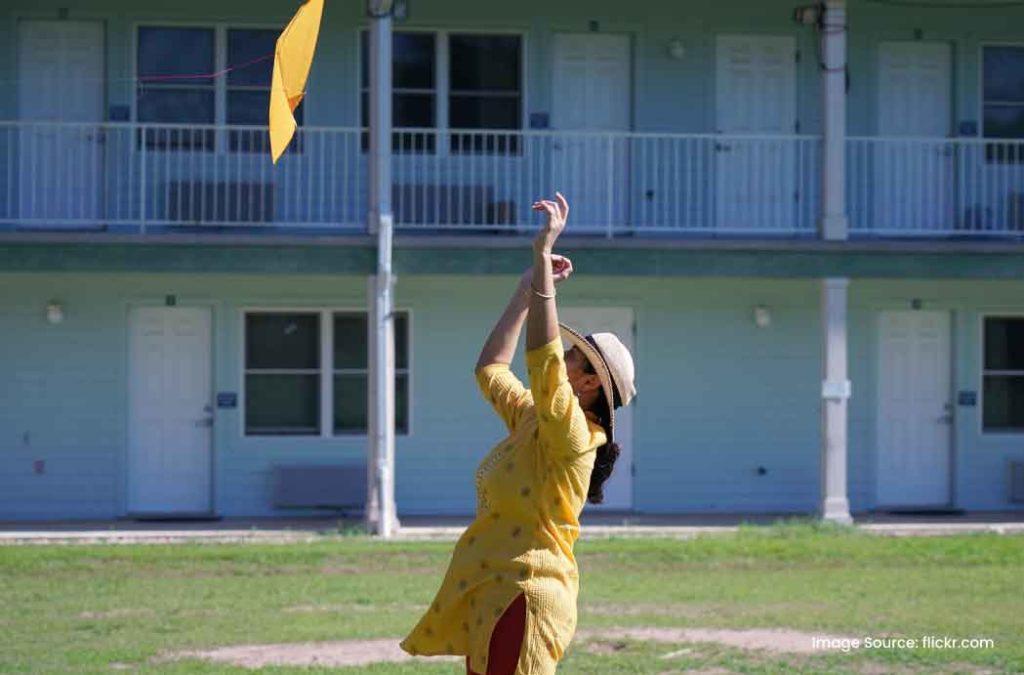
[(531, 488)]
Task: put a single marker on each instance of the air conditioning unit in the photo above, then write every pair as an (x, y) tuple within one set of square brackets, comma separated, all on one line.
[(1015, 212), (1016, 482), (432, 204), (335, 486), (201, 202)]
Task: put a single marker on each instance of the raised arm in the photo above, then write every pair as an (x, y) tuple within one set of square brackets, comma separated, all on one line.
[(542, 318), (560, 419), (501, 343), (499, 386)]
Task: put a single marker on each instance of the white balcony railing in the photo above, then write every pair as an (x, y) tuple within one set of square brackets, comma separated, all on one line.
[(153, 177), (935, 186), (150, 177)]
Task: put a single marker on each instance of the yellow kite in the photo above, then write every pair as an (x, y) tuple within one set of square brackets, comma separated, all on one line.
[(293, 58)]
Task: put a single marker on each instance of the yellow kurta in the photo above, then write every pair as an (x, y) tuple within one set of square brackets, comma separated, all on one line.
[(530, 488)]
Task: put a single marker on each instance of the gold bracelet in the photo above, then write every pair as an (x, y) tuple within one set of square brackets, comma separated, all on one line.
[(543, 295)]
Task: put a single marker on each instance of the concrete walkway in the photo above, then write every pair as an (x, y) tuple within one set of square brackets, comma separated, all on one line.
[(285, 530)]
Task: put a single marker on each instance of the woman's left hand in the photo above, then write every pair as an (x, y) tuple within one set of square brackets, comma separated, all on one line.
[(561, 269)]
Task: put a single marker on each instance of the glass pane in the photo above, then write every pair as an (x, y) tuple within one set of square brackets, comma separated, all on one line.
[(1004, 403), (413, 110), (484, 112), (402, 404), (408, 110), (1004, 121), (182, 106), (1004, 344), (350, 413), (281, 341), (248, 107), (176, 51), (484, 62), (251, 55), (401, 340), (282, 404), (350, 345), (1004, 73), (413, 60), (413, 56)]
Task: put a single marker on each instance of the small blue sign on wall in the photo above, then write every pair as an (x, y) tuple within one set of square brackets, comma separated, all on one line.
[(967, 398), (227, 399)]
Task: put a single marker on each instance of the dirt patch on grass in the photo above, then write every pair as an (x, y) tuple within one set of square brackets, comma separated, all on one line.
[(119, 613), (305, 654), (345, 608), (777, 640)]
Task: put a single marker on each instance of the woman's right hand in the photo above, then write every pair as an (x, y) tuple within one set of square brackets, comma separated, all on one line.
[(557, 214)]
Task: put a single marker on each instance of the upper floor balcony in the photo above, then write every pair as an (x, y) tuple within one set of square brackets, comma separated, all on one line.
[(149, 178), (666, 119)]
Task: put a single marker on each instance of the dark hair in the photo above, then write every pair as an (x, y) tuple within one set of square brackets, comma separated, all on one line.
[(607, 453)]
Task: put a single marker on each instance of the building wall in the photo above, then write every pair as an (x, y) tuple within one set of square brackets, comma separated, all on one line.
[(718, 399), (669, 95)]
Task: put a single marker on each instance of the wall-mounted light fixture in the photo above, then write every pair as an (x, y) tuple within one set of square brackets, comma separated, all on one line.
[(398, 9), (677, 49), (54, 312), (762, 316), (808, 15)]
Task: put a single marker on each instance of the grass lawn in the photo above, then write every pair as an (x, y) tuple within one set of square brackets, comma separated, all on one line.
[(84, 608)]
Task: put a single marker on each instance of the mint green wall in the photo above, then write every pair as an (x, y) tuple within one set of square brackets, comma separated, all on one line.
[(718, 397), (669, 95)]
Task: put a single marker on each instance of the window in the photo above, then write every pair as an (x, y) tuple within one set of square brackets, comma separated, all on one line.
[(1003, 104), (168, 91), (351, 372), (1003, 374), (171, 90), (485, 89), (247, 98), (414, 89), (482, 89), (282, 374), (286, 365)]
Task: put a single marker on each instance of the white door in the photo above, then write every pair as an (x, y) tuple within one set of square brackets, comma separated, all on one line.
[(914, 409), (618, 491), (589, 164), (60, 80), (914, 166), (170, 410), (755, 103)]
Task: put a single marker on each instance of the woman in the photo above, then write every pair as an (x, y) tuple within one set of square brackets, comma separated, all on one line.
[(508, 600)]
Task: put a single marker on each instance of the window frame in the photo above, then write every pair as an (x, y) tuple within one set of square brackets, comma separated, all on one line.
[(327, 370), (443, 85), (222, 129), (982, 372)]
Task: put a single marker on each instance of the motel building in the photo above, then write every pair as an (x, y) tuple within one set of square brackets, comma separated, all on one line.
[(805, 221)]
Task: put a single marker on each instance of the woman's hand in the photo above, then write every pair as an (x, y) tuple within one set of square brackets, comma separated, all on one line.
[(558, 214), (561, 269)]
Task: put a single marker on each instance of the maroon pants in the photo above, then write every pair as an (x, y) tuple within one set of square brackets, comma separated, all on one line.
[(506, 640)]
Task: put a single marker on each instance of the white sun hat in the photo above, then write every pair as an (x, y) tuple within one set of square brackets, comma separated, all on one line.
[(613, 364)]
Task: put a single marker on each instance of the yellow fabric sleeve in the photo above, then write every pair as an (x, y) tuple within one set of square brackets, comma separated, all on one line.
[(560, 419), (503, 390)]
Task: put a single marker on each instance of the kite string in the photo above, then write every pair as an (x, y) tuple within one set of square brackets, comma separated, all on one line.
[(204, 76), (143, 78)]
